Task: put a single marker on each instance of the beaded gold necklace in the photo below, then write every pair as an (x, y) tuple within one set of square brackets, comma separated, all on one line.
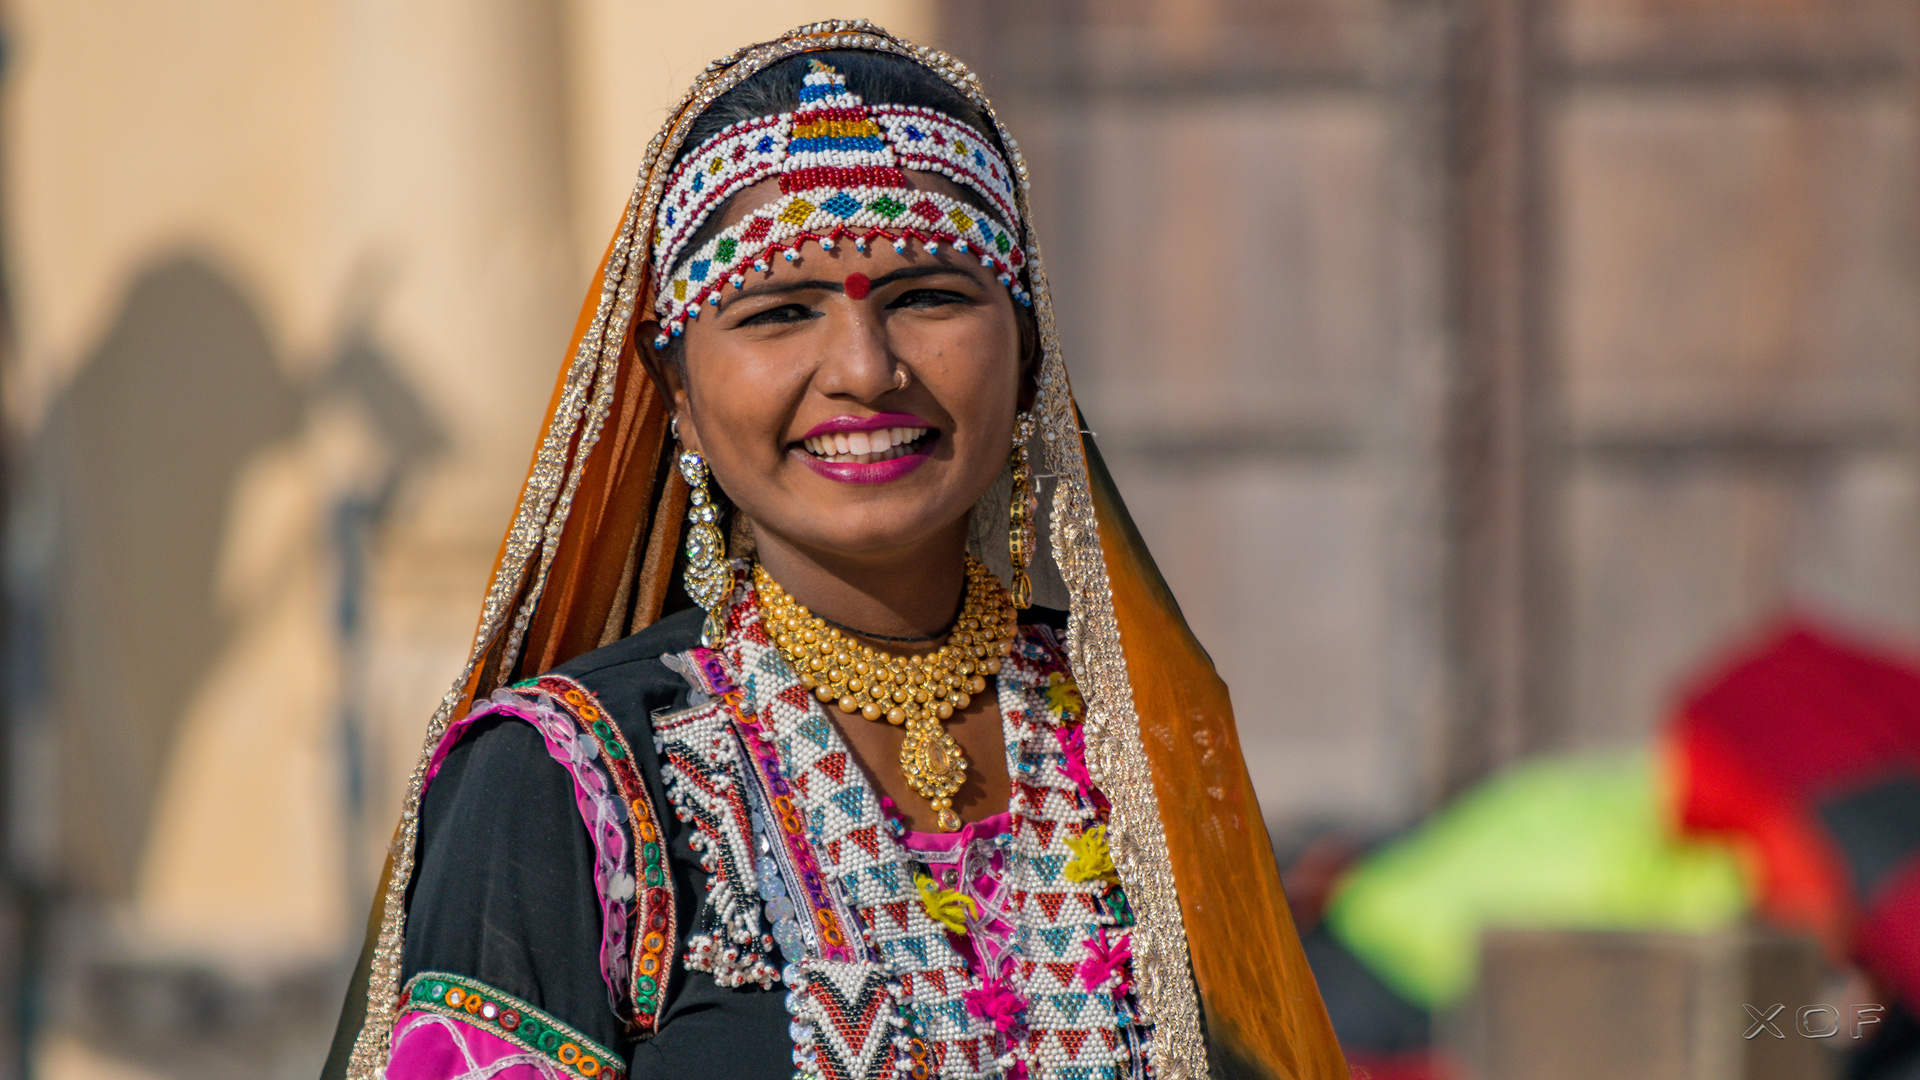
[(912, 692)]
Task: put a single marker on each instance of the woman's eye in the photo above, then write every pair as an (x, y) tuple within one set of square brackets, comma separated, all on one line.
[(785, 313), (928, 298)]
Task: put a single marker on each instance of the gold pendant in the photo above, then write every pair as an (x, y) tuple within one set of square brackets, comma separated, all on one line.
[(934, 766)]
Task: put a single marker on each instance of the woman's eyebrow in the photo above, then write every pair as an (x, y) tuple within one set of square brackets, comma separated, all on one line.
[(908, 273), (776, 288)]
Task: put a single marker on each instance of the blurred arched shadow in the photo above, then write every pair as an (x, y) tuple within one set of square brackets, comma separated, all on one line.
[(139, 455), (136, 468)]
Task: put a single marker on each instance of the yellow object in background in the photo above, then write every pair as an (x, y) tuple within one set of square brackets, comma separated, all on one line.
[(1565, 843)]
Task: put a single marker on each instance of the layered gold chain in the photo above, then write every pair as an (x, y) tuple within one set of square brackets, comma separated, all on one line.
[(912, 692)]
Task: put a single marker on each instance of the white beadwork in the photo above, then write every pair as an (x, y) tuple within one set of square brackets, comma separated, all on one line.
[(828, 193), (1068, 1030)]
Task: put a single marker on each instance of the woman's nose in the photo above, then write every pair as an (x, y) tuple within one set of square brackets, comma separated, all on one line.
[(858, 363)]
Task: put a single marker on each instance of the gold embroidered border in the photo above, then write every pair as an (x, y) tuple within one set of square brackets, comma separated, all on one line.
[(1116, 753)]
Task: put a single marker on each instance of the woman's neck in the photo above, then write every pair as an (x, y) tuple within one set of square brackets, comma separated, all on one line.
[(911, 593)]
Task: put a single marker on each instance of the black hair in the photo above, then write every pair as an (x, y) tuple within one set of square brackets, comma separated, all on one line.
[(879, 78)]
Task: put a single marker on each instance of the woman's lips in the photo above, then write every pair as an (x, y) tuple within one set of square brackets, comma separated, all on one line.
[(871, 468), (842, 425), (867, 449)]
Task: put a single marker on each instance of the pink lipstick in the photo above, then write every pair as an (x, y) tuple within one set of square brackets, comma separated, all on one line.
[(867, 449)]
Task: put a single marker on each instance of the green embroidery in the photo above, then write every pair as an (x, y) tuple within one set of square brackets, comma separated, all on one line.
[(509, 1018), (607, 740)]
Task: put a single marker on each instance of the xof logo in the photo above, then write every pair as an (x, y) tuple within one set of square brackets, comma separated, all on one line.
[(1811, 1021)]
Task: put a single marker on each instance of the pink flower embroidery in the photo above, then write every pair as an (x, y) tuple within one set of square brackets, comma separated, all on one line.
[(1073, 744), (1105, 960), (998, 1002)]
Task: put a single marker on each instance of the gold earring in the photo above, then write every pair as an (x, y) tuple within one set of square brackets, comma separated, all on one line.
[(709, 579), (1020, 534)]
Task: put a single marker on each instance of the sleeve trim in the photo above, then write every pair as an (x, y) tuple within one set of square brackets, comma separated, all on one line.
[(654, 933), (506, 1017), (630, 876)]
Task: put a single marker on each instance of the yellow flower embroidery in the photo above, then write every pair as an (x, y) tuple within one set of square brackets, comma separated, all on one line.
[(1091, 859), (948, 907), (1063, 697)]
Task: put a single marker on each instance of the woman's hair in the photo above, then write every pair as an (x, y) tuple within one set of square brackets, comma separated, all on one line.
[(880, 79)]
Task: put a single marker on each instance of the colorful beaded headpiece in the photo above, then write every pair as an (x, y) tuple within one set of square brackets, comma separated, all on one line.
[(840, 165)]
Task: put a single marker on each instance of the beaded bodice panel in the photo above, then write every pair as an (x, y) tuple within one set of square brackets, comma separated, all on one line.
[(882, 972)]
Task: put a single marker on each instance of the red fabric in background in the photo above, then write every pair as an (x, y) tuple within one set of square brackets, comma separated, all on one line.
[(1889, 936), (1805, 717)]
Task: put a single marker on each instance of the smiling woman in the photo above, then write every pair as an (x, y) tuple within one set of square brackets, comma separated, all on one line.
[(870, 813)]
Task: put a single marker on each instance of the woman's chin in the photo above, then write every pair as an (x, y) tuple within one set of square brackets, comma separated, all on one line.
[(870, 532)]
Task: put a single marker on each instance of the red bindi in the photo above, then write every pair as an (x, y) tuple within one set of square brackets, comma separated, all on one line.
[(857, 286)]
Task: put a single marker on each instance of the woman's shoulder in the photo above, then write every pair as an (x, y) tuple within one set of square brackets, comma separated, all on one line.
[(638, 652), (629, 677)]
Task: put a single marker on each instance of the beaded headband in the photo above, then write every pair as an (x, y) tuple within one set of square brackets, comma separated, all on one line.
[(840, 164)]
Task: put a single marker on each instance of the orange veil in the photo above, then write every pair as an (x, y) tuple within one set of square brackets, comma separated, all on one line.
[(589, 559)]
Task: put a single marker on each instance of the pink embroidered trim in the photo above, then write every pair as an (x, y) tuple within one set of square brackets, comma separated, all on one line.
[(455, 1028), (620, 823)]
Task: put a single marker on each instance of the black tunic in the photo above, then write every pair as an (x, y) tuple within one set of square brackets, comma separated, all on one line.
[(503, 889)]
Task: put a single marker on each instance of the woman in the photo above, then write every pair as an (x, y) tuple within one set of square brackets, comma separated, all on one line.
[(830, 793)]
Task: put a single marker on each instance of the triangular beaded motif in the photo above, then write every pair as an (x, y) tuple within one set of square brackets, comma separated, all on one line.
[(1044, 801), (847, 1004), (806, 740)]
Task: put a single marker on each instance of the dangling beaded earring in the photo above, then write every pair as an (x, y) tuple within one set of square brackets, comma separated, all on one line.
[(1020, 536), (709, 579)]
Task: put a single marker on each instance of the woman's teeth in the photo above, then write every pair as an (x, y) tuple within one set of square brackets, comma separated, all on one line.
[(864, 447)]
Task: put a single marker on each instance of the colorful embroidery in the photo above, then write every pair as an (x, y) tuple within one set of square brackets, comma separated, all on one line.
[(620, 821), (1035, 1015), (654, 931), (1063, 698), (1091, 861), (507, 1017), (1105, 967), (847, 1021), (840, 168)]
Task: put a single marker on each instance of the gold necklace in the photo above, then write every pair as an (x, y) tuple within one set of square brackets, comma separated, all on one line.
[(912, 692)]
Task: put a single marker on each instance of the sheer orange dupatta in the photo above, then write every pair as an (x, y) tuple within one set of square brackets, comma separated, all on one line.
[(1262, 1008)]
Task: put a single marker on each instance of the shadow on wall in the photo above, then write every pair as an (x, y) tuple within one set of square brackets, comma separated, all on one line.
[(139, 456), (138, 472)]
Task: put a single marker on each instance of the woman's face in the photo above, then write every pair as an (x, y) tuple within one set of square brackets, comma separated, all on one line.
[(852, 404)]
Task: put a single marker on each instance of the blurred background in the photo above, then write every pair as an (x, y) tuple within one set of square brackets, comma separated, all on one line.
[(1490, 377)]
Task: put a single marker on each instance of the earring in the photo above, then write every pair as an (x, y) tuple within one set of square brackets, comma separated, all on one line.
[(1024, 506), (709, 579)]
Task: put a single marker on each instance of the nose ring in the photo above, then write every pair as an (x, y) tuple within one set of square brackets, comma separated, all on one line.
[(900, 379)]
